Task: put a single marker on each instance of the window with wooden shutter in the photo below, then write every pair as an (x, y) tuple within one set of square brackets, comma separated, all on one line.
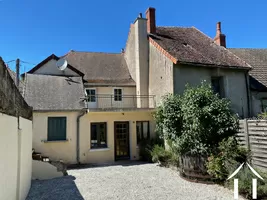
[(57, 128)]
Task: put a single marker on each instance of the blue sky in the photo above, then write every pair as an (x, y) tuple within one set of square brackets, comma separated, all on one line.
[(33, 29)]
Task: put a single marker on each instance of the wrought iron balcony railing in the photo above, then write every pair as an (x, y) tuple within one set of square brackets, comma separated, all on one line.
[(119, 101)]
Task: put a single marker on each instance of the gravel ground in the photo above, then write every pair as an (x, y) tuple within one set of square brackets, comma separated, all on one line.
[(138, 181)]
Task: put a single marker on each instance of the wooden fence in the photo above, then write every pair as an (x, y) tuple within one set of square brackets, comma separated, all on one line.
[(253, 135)]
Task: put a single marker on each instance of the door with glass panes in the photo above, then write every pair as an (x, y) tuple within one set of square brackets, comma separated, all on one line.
[(121, 133)]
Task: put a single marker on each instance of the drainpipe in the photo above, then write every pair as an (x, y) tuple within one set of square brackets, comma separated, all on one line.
[(248, 93), (83, 112)]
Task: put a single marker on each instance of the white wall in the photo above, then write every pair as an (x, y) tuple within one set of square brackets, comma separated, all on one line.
[(51, 69), (16, 171), (26, 157), (43, 170)]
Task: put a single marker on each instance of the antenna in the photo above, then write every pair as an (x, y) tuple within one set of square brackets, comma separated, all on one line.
[(62, 64)]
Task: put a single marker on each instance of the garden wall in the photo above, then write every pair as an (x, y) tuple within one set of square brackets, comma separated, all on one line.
[(253, 135), (15, 139)]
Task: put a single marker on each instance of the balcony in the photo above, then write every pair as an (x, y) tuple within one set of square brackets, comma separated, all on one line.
[(119, 102)]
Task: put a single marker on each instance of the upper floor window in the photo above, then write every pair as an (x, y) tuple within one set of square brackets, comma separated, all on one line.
[(117, 94), (217, 85), (91, 95)]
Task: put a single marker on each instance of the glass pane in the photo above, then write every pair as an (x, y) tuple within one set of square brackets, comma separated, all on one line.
[(145, 130), (138, 131)]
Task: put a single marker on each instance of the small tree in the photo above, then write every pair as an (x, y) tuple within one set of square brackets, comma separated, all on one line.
[(197, 121)]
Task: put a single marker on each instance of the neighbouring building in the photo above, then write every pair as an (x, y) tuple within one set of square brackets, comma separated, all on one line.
[(101, 105), (15, 139), (257, 58), (164, 59)]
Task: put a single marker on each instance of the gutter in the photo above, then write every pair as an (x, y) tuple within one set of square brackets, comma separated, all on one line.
[(83, 112), (248, 93)]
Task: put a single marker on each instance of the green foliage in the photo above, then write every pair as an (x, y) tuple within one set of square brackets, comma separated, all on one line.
[(245, 183), (196, 121), (226, 158), (159, 154), (168, 117), (146, 146), (263, 115), (164, 157)]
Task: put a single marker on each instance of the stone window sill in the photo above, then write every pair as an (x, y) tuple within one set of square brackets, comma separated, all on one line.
[(100, 149), (54, 141)]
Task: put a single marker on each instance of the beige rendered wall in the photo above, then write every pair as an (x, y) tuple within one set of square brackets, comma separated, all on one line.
[(15, 157), (129, 54), (234, 83), (51, 68), (160, 74), (88, 155), (55, 150)]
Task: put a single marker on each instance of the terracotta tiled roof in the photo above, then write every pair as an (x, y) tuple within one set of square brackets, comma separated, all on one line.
[(191, 46)]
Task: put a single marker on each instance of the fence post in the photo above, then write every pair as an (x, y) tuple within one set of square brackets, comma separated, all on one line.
[(246, 133)]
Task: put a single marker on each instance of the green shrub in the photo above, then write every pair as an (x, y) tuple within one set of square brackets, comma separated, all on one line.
[(263, 115), (226, 158), (196, 121), (146, 146), (164, 157), (168, 117), (159, 154), (245, 183)]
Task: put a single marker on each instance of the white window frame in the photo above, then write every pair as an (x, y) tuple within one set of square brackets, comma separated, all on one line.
[(87, 95), (115, 95)]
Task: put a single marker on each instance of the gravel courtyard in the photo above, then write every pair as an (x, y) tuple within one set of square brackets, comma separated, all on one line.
[(133, 181)]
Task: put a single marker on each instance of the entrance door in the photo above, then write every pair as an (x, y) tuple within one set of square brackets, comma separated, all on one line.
[(121, 135)]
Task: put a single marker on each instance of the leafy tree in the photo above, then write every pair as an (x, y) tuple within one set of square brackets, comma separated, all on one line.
[(197, 121)]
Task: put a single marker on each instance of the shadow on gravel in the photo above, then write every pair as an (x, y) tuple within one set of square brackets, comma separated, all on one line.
[(55, 189), (118, 163)]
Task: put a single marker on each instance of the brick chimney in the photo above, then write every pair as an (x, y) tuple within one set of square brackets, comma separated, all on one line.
[(151, 20), (220, 38)]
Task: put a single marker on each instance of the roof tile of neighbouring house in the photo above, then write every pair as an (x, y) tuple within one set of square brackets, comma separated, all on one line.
[(101, 67), (54, 93), (257, 58), (191, 46)]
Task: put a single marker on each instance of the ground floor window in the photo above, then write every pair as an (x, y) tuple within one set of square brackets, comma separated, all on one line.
[(56, 128), (142, 131), (99, 135)]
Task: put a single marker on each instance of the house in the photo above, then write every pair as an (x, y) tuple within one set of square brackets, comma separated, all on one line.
[(165, 59), (15, 139), (257, 58), (89, 112), (101, 105)]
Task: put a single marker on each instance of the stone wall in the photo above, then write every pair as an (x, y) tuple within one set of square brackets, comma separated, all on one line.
[(11, 101)]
